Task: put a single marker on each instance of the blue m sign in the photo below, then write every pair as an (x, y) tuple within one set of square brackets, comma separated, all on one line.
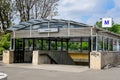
[(106, 22)]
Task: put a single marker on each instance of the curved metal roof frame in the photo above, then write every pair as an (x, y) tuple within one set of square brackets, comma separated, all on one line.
[(39, 21)]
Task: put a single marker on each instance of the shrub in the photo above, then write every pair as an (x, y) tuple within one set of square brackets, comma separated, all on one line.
[(1, 50)]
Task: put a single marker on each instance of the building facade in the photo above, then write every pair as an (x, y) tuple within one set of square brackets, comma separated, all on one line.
[(77, 39)]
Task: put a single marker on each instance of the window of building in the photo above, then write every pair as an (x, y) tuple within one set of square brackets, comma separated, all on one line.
[(44, 25), (58, 25), (45, 44), (94, 43), (74, 26), (35, 27), (119, 45), (100, 43), (114, 45), (28, 44), (37, 44), (105, 44), (27, 28), (75, 46), (18, 44), (52, 45)]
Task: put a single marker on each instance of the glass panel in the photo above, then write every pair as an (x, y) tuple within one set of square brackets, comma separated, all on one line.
[(58, 45), (105, 44), (52, 45), (58, 25), (28, 50), (119, 45), (100, 43), (74, 46), (29, 44), (85, 46), (19, 44), (110, 45), (35, 27), (37, 44), (45, 44), (64, 46), (44, 25), (27, 28), (114, 45), (75, 26)]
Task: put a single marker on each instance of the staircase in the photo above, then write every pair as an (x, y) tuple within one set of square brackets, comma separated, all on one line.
[(57, 57)]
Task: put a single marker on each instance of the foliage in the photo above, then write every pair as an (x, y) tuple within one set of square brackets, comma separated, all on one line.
[(4, 42), (115, 27), (1, 50), (99, 24), (85, 45), (29, 9), (74, 46), (5, 11), (25, 10), (24, 7), (45, 8)]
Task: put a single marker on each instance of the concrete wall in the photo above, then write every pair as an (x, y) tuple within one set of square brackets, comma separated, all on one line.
[(112, 58), (63, 32), (79, 56), (99, 60), (8, 57), (37, 59)]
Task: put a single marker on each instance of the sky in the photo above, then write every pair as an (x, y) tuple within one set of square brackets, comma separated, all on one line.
[(89, 11)]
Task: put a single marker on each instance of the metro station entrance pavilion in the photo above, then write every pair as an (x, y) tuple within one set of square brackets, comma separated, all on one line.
[(76, 39)]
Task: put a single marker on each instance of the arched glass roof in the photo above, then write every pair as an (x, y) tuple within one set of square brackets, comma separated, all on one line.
[(23, 25)]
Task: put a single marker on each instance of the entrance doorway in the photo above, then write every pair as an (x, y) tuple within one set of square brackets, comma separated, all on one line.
[(19, 51), (23, 50), (78, 48)]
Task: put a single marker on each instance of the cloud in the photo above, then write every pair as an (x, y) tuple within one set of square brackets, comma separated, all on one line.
[(89, 11), (117, 3)]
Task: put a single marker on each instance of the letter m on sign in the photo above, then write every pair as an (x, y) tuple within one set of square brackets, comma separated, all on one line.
[(106, 22)]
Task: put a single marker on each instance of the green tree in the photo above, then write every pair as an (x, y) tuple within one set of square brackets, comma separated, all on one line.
[(35, 8), (4, 42), (115, 27), (5, 11), (98, 24)]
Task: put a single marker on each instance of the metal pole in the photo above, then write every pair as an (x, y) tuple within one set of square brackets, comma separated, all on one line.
[(56, 44), (68, 28), (81, 44), (61, 44), (30, 30), (14, 40), (103, 42), (117, 45), (91, 40), (67, 43), (49, 44), (107, 44), (96, 42), (41, 44), (48, 27)]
